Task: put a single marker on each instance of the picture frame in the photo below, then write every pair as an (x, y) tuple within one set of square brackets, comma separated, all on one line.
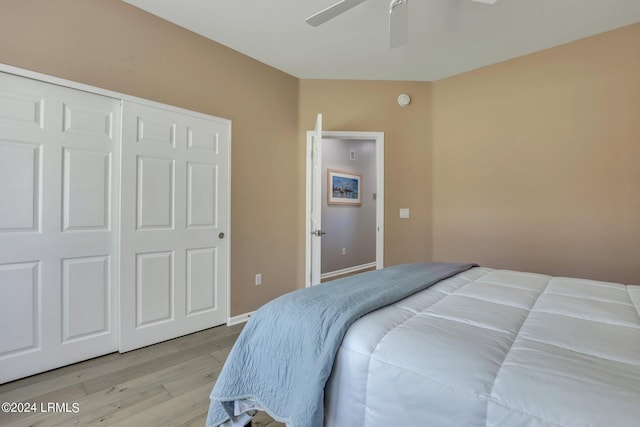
[(343, 188)]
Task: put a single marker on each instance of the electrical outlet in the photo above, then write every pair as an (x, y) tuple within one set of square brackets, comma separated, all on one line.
[(258, 279), (344, 251)]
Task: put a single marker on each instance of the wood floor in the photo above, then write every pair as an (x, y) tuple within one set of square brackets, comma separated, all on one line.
[(166, 384)]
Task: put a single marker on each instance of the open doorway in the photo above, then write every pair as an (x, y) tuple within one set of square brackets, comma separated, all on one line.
[(344, 238), (350, 222)]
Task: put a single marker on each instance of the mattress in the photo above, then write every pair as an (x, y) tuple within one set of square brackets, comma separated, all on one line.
[(495, 348)]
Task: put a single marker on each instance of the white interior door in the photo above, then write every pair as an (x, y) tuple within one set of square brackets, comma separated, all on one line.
[(175, 223), (315, 218), (58, 225)]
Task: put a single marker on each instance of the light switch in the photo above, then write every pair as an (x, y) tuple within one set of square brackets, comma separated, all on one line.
[(404, 213)]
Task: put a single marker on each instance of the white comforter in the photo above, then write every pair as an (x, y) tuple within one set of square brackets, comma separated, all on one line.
[(495, 348)]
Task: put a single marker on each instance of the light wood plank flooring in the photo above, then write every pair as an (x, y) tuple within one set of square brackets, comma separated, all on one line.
[(166, 384)]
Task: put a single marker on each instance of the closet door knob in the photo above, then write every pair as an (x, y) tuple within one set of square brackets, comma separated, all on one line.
[(221, 236)]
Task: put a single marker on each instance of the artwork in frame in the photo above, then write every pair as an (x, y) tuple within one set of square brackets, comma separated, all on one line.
[(344, 188)]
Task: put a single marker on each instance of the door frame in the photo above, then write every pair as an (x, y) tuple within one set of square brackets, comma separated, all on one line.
[(378, 138)]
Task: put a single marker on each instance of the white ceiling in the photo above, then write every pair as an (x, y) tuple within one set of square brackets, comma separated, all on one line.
[(446, 37)]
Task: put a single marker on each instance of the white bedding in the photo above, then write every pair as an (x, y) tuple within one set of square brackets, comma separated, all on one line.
[(495, 348)]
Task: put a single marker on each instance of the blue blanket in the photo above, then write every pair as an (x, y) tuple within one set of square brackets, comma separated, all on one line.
[(285, 353)]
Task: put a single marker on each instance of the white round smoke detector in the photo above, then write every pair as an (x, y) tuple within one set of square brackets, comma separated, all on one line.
[(404, 100)]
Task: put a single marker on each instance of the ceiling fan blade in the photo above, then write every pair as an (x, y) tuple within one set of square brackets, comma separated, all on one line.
[(331, 12), (398, 23), (485, 1)]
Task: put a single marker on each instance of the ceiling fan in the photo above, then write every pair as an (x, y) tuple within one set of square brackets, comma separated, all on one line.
[(398, 17)]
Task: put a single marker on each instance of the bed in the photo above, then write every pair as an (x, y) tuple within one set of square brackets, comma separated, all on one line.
[(481, 347)]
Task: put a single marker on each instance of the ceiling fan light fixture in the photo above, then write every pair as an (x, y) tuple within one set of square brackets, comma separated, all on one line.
[(396, 3), (398, 17), (398, 23)]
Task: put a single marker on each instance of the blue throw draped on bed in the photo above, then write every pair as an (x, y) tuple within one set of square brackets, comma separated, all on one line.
[(284, 355)]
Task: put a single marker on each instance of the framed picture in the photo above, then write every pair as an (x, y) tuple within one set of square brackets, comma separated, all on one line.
[(343, 188)]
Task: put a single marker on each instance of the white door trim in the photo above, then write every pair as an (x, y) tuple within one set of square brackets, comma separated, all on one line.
[(378, 137)]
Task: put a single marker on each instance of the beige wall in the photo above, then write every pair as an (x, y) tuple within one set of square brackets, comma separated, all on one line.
[(536, 161), (349, 105), (532, 162), (112, 45)]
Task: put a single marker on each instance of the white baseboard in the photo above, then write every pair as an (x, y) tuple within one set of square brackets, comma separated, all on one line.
[(241, 318), (348, 270)]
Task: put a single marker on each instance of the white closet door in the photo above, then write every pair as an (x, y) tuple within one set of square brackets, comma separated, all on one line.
[(175, 206), (58, 225)]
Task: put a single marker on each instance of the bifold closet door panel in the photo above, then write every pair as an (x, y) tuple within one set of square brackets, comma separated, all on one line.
[(59, 151), (175, 215)]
